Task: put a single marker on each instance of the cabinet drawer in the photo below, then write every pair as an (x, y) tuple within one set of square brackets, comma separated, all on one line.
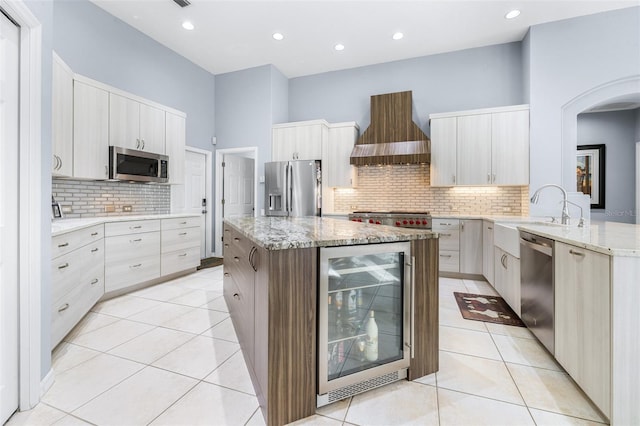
[(125, 248), (65, 243), (241, 243), (180, 260), (70, 308), (445, 224), (449, 261), (449, 239), (79, 267), (131, 227), (125, 273), (180, 239), (180, 222)]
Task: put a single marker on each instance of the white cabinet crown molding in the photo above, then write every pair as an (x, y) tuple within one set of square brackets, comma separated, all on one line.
[(509, 108), (344, 124), (125, 94), (300, 123)]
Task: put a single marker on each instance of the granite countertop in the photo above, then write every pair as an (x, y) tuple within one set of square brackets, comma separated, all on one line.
[(279, 233), (611, 238), (62, 226)]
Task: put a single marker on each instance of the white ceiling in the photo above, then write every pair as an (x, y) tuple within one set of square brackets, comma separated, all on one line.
[(231, 35)]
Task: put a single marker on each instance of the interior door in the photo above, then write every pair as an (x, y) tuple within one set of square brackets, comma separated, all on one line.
[(9, 83), (195, 184), (238, 184)]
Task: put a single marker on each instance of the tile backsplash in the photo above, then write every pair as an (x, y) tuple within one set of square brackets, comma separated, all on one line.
[(81, 198), (407, 187)]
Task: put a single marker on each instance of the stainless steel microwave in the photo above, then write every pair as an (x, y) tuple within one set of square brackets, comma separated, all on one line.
[(140, 166)]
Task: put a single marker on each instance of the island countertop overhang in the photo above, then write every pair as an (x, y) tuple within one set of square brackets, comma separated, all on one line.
[(281, 233)]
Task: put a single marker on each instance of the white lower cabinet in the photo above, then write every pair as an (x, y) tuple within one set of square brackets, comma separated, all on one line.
[(460, 242), (77, 275), (449, 243), (180, 242), (507, 278), (488, 250), (131, 259), (583, 320)]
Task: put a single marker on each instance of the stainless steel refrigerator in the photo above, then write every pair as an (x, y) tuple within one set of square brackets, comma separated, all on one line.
[(293, 188)]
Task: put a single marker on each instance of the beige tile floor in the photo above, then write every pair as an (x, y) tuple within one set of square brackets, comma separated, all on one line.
[(168, 355)]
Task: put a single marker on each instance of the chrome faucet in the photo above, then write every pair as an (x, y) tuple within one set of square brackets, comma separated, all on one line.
[(581, 221), (565, 203)]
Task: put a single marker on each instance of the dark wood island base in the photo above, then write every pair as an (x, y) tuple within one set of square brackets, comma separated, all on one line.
[(272, 295)]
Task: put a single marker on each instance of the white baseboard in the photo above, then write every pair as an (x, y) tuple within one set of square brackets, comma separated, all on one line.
[(46, 383)]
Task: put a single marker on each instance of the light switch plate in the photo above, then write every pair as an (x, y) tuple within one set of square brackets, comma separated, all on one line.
[(109, 209)]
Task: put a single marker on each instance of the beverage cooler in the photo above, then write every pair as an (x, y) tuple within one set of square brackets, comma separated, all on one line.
[(365, 316)]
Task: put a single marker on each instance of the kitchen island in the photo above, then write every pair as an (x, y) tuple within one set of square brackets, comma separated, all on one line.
[(271, 285)]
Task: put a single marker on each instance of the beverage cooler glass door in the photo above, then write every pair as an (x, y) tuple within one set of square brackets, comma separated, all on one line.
[(364, 317)]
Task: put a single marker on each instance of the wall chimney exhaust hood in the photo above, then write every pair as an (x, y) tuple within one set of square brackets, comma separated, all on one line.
[(392, 136)]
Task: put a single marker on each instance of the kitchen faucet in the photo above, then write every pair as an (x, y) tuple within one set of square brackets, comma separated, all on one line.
[(565, 204)]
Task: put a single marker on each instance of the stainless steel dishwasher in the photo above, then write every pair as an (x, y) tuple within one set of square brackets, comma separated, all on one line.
[(537, 286)]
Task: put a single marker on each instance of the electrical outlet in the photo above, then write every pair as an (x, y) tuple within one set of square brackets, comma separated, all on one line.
[(127, 208), (109, 209)]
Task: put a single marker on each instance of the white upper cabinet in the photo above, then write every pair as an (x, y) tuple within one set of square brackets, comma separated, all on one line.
[(298, 141), (510, 148), (90, 131), (135, 125), (175, 145), (474, 150), (443, 151), (480, 147), (62, 120), (337, 170)]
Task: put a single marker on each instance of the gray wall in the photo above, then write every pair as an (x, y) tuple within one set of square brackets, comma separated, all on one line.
[(467, 79), (248, 103), (617, 130), (568, 58), (98, 45), (43, 11)]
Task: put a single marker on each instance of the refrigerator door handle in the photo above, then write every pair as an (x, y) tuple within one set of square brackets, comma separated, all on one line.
[(286, 187), (290, 185)]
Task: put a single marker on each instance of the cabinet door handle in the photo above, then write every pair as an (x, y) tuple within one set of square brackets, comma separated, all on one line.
[(236, 296), (137, 265), (576, 253), (462, 226), (137, 143), (488, 177), (182, 233), (453, 177), (106, 170), (226, 246), (95, 250), (236, 258), (183, 223), (489, 227), (142, 143), (137, 240), (226, 274), (445, 255), (93, 234), (493, 178), (236, 239), (65, 265), (95, 281), (135, 227), (63, 307), (445, 235), (63, 245), (182, 255), (503, 260)]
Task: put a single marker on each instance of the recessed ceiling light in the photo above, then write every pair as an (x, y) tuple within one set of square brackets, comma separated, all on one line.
[(339, 47), (398, 36), (277, 36), (513, 14), (188, 25)]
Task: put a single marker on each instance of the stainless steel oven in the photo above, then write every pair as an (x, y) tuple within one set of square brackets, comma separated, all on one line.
[(537, 287)]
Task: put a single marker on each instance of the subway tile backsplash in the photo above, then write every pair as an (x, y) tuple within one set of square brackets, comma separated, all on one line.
[(80, 198), (407, 187)]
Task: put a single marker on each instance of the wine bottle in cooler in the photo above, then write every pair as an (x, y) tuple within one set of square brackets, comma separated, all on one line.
[(371, 344)]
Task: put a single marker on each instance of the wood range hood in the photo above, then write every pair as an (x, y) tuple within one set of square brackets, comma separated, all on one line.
[(392, 137)]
